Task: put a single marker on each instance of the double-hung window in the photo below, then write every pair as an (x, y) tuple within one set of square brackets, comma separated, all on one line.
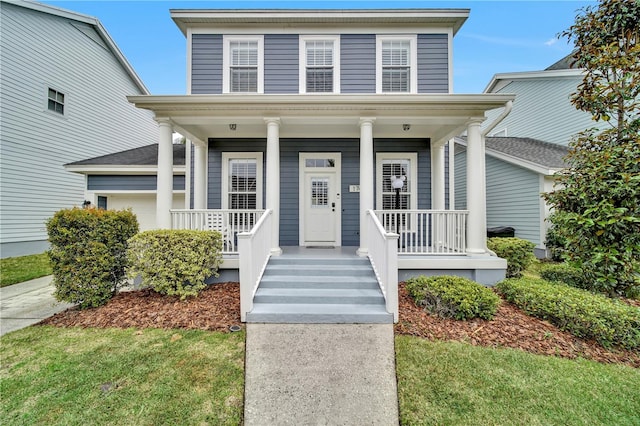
[(242, 180), (396, 61), (243, 65), (398, 165), (320, 64)]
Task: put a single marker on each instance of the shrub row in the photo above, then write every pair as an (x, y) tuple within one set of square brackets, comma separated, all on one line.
[(518, 252), (563, 273), (584, 314), (453, 297)]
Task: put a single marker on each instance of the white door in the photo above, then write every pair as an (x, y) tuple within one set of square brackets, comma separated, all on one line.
[(320, 211)]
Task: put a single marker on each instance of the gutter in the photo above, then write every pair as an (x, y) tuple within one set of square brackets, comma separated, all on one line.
[(507, 109)]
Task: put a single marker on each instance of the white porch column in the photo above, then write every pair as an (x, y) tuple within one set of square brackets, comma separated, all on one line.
[(199, 176), (366, 178), (273, 180), (437, 177), (476, 198), (452, 174), (164, 193)]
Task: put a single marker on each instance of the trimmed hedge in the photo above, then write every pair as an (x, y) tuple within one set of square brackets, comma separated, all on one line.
[(175, 262), (581, 313), (563, 273), (88, 253), (453, 297), (518, 252)]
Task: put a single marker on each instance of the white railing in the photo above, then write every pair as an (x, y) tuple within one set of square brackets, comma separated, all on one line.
[(254, 250), (228, 222), (383, 253), (433, 232)]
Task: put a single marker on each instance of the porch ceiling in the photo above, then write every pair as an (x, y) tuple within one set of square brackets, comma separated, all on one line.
[(438, 117)]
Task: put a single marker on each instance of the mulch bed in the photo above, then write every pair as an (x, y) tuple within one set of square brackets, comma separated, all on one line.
[(218, 307)]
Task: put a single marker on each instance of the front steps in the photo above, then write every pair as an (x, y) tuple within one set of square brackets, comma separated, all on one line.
[(334, 290)]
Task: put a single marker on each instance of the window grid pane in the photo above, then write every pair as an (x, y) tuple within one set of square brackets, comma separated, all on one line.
[(396, 66), (56, 101), (319, 61), (319, 80), (399, 167), (319, 192), (242, 183), (244, 66)]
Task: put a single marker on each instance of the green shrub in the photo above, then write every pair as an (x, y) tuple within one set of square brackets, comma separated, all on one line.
[(453, 297), (584, 314), (554, 242), (563, 273), (518, 252), (88, 253), (175, 262)]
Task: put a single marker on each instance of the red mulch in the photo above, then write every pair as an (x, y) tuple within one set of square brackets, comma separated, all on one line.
[(218, 308)]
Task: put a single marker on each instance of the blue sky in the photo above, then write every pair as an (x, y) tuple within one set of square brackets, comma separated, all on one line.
[(498, 37)]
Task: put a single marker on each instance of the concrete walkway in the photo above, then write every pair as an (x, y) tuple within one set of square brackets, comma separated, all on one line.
[(320, 374), (27, 303)]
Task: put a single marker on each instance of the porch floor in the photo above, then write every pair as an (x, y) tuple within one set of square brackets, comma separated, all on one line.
[(299, 252)]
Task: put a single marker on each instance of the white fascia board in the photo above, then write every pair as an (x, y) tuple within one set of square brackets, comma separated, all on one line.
[(120, 170), (530, 74)]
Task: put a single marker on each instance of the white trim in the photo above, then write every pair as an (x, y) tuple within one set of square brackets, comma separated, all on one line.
[(303, 171), (189, 58), (133, 170), (302, 58), (413, 61), (224, 193), (131, 192), (530, 74), (450, 58), (413, 177), (226, 41), (312, 30)]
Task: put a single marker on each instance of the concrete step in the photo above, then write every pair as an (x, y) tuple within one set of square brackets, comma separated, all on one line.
[(335, 282), (282, 260), (319, 296), (290, 313), (318, 270)]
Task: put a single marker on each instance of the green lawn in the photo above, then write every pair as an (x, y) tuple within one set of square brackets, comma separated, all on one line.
[(17, 269), (58, 376), (449, 383)]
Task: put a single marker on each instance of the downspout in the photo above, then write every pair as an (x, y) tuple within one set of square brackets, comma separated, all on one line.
[(507, 110)]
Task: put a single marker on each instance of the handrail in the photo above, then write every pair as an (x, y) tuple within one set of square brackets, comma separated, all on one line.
[(383, 254), (254, 251)]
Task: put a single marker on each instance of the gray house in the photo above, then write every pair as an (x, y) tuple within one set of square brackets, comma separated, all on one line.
[(527, 148), (63, 98), (318, 146)]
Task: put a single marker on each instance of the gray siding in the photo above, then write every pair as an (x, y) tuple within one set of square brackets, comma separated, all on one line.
[(460, 176), (39, 51), (206, 64), (543, 110), (358, 63), (129, 183), (281, 58), (433, 63)]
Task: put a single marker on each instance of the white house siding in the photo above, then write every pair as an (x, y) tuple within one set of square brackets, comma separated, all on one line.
[(39, 51), (543, 110)]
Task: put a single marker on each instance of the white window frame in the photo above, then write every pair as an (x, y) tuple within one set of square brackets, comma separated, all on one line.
[(226, 61), (413, 176), (226, 156), (303, 61), (413, 61)]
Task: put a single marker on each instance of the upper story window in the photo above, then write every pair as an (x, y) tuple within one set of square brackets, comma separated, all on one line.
[(396, 59), (55, 101), (243, 64), (320, 64)]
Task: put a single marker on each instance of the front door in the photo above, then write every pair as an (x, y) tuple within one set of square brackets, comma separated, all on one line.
[(320, 205)]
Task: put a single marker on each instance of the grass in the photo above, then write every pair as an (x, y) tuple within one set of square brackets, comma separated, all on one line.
[(73, 376), (450, 383), (18, 269)]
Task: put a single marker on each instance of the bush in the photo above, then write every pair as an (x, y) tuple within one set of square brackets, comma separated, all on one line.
[(518, 252), (453, 297), (554, 242), (88, 253), (563, 273), (581, 313), (175, 262)]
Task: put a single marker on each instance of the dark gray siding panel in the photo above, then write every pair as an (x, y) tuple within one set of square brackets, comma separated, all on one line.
[(433, 63), (216, 148), (358, 63), (421, 146), (129, 183), (206, 64), (281, 73)]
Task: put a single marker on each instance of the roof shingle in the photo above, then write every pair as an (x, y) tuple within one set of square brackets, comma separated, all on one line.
[(143, 156)]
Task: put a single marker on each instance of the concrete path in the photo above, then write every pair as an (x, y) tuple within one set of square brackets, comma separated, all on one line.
[(27, 303), (320, 374)]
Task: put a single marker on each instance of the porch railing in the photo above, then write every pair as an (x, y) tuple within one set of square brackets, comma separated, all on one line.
[(254, 248), (383, 253), (228, 222), (433, 232)]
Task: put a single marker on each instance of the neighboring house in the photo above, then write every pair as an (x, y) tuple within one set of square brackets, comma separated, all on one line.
[(527, 148), (298, 121), (127, 179), (63, 93)]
